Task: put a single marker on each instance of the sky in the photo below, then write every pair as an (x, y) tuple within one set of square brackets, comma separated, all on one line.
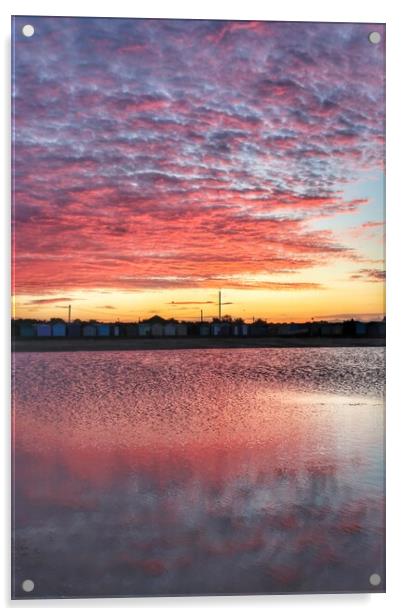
[(158, 161)]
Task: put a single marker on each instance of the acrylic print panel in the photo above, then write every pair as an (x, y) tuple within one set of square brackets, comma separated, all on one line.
[(198, 331)]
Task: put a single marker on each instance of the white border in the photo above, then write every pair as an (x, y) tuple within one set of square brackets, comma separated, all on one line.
[(388, 11)]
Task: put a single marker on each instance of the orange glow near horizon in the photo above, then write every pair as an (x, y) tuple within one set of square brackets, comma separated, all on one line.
[(335, 303)]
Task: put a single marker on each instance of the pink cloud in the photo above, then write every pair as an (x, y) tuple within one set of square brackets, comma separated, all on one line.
[(139, 163)]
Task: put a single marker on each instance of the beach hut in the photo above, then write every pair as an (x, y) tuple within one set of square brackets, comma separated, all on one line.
[(360, 328), (115, 330), (74, 330), (240, 329), (376, 329), (89, 331), (43, 330), (225, 328), (27, 330), (181, 329), (325, 329), (336, 329), (132, 330), (157, 330), (260, 328), (103, 329), (300, 329), (144, 328), (216, 329), (58, 330), (170, 328), (204, 329)]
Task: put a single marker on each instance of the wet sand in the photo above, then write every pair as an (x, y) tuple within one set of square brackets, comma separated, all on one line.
[(188, 342)]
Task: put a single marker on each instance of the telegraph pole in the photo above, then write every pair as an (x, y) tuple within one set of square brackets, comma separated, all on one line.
[(220, 304), (69, 313)]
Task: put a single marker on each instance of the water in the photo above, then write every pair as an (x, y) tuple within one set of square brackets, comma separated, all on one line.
[(198, 471)]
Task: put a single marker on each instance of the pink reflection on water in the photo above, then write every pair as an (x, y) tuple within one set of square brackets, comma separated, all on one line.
[(242, 488)]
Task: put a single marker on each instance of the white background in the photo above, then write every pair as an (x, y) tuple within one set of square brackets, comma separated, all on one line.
[(387, 11)]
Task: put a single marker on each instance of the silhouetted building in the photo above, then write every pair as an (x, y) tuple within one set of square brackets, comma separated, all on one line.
[(89, 331), (27, 330), (294, 329), (181, 329), (360, 328), (58, 330), (144, 328), (132, 330), (103, 329), (170, 328), (43, 330), (74, 330), (204, 329), (376, 329), (239, 328), (258, 328), (157, 329)]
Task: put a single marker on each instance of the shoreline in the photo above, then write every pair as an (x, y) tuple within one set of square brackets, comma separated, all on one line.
[(163, 344)]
